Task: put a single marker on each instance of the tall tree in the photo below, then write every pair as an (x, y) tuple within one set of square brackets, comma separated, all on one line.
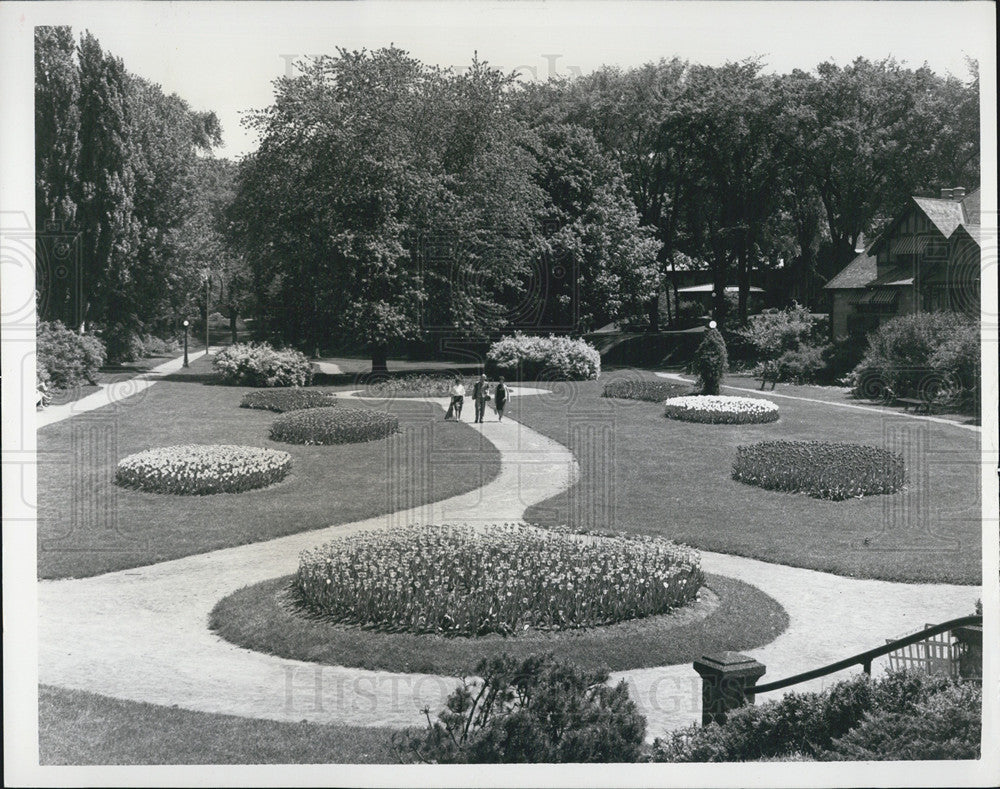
[(57, 152), (608, 263)]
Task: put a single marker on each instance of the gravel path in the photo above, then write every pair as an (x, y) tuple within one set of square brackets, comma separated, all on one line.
[(141, 634)]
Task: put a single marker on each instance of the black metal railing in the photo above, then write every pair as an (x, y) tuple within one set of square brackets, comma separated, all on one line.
[(864, 659)]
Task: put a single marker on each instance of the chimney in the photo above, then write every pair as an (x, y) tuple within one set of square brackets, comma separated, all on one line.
[(946, 194), (958, 192)]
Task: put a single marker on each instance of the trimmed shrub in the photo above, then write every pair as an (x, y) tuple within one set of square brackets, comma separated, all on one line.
[(417, 385), (203, 469), (721, 410), (710, 362), (824, 470), (805, 723), (65, 358), (526, 358), (644, 389), (282, 400), (924, 355), (333, 426), (539, 710), (464, 580), (259, 364)]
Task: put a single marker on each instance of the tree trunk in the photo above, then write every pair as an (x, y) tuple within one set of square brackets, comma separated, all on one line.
[(232, 322), (654, 313), (379, 358), (743, 280)]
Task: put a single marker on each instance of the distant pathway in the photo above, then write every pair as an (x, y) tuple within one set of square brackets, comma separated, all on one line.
[(874, 409), (111, 393), (141, 634)]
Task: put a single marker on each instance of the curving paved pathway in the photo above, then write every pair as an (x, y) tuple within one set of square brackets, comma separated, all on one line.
[(141, 634), (112, 393)]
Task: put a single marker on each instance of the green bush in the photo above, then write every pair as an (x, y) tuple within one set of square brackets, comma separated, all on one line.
[(463, 580), (282, 400), (947, 725), (526, 358), (202, 469), (821, 725), (644, 389), (711, 362), (805, 364), (157, 346), (770, 335), (259, 364), (824, 470), (333, 426), (65, 358), (925, 355), (539, 710)]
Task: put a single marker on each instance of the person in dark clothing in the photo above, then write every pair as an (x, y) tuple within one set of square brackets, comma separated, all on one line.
[(480, 394), (500, 398)]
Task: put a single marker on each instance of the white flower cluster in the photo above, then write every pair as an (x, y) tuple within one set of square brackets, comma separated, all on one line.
[(201, 469), (719, 409)]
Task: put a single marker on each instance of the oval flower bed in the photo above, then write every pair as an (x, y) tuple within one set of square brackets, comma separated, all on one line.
[(461, 580), (333, 426), (823, 470), (282, 400), (644, 389), (720, 409), (203, 469)]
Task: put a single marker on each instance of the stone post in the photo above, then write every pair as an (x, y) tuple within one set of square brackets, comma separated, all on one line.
[(727, 681), (970, 651)]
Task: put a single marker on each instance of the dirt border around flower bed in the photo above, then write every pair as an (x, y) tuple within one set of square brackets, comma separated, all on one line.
[(265, 617)]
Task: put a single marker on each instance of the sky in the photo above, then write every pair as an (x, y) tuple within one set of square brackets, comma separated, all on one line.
[(224, 56)]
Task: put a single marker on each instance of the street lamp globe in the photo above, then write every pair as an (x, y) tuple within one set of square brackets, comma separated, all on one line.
[(712, 324)]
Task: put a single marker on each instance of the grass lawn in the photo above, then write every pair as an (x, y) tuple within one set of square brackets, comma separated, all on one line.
[(87, 525), (79, 728), (732, 616), (641, 472)]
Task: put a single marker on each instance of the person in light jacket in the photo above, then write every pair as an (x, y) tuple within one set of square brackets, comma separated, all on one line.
[(480, 394), (457, 398), (500, 398)]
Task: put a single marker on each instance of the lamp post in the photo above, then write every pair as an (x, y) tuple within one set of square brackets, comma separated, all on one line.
[(186, 324), (208, 303)]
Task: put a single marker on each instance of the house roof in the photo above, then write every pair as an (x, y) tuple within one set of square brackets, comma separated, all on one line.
[(894, 277), (945, 214), (857, 274), (975, 232)]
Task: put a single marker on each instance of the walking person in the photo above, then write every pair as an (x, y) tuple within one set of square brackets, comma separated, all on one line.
[(480, 394), (500, 398), (457, 399)]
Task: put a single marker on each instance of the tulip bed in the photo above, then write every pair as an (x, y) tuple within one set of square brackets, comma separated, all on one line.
[(504, 578), (824, 470), (203, 469), (644, 389), (416, 385), (721, 409), (282, 400), (333, 426)]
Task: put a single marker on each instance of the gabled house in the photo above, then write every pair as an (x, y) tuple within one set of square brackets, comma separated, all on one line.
[(928, 258)]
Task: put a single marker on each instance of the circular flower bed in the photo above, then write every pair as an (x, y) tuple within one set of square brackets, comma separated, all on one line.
[(282, 400), (461, 580), (202, 469), (823, 470), (720, 409), (333, 426)]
